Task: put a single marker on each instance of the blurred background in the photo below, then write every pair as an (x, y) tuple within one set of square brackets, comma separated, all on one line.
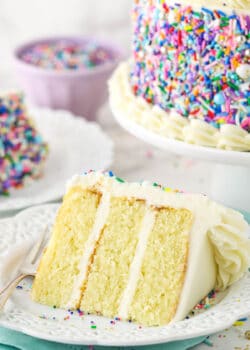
[(21, 21)]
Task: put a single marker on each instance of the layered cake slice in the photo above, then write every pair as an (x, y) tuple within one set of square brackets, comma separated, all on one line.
[(137, 251), (22, 149)]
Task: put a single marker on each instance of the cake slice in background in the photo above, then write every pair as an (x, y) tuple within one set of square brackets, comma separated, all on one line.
[(22, 149), (137, 251)]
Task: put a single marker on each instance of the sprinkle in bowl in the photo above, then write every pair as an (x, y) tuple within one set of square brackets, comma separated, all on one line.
[(67, 72)]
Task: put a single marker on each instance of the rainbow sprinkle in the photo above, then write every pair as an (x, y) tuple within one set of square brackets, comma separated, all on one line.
[(196, 62), (22, 149), (66, 55), (205, 304), (93, 325)]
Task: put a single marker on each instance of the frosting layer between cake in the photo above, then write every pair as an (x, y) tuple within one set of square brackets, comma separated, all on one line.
[(195, 61)]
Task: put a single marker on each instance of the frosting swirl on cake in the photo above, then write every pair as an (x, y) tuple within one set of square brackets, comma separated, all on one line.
[(231, 249), (170, 124)]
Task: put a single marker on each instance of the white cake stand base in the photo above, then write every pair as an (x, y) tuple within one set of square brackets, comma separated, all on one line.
[(231, 169), (230, 185)]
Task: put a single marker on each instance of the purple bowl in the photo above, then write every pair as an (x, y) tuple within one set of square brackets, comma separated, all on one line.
[(80, 91)]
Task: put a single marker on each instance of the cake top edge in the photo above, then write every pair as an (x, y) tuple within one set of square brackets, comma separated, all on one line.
[(96, 175), (154, 192), (4, 93), (12, 99), (227, 5)]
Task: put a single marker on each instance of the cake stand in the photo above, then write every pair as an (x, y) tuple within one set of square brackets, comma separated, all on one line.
[(231, 169)]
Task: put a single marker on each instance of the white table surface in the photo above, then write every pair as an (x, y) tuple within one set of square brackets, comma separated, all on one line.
[(135, 160)]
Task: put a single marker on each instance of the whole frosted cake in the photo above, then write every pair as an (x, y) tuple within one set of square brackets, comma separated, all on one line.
[(189, 75), (137, 251), (22, 149)]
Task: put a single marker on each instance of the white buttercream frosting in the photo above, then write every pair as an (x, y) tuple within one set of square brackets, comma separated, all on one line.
[(240, 4), (135, 268), (171, 125), (231, 4), (231, 255), (101, 216), (219, 250)]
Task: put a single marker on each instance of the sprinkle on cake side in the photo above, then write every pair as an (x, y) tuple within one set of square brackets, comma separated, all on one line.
[(22, 149), (189, 73)]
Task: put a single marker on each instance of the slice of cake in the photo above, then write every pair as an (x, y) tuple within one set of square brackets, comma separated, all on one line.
[(189, 74), (22, 149), (138, 251)]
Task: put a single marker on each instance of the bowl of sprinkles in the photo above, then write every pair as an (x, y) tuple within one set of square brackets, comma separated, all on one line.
[(67, 72)]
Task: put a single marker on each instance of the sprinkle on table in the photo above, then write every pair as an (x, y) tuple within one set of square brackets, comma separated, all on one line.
[(93, 326), (247, 334)]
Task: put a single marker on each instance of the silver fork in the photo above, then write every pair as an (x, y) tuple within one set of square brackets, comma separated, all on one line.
[(28, 269)]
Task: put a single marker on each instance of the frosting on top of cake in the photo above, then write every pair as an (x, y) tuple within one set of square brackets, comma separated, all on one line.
[(219, 247), (228, 259), (233, 4)]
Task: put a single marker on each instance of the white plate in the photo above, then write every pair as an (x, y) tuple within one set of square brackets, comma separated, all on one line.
[(183, 148), (75, 146), (23, 315)]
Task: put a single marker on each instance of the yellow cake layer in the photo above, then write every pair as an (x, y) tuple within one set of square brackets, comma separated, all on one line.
[(59, 267), (163, 268), (109, 272)]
